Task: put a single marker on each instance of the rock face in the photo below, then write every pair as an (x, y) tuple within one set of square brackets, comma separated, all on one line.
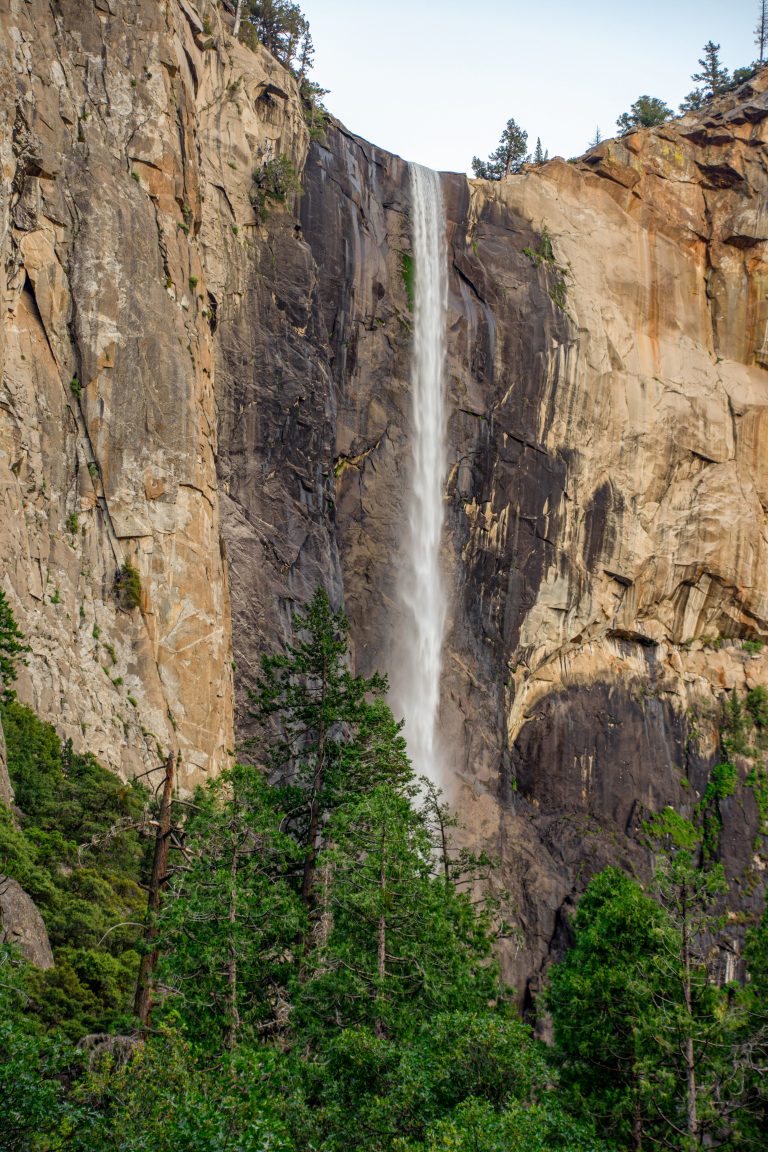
[(216, 391), (606, 528), (22, 925)]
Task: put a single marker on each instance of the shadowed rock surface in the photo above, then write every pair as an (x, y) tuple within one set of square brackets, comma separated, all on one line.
[(22, 925)]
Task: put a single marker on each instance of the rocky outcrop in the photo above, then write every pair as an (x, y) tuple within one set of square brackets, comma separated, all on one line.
[(213, 388), (22, 925)]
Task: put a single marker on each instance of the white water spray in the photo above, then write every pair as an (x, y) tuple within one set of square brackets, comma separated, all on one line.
[(416, 681)]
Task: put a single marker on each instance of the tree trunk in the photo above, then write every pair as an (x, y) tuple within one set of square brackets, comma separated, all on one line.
[(238, 18), (315, 809), (690, 1061), (637, 1124), (381, 952), (143, 1000), (233, 1016)]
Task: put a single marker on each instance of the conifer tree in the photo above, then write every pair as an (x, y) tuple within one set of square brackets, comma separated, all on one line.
[(325, 732), (231, 917), (713, 76), (761, 30), (401, 943), (12, 649), (646, 112), (540, 156), (508, 158)]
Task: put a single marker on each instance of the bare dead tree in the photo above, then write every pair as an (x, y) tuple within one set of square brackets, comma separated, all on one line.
[(158, 879), (238, 18)]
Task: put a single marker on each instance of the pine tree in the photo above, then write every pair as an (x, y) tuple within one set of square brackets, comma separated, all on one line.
[(325, 732), (596, 139), (540, 156), (646, 112), (713, 75), (231, 917), (12, 649), (508, 158), (761, 30), (400, 942)]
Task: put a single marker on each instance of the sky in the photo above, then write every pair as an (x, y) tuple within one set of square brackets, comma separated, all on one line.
[(435, 81)]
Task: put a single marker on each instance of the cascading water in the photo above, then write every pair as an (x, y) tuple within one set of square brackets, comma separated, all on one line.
[(416, 681)]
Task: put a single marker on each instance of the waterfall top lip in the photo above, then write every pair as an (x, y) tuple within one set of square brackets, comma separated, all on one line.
[(365, 143)]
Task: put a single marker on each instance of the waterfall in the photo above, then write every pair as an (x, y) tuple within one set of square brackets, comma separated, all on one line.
[(416, 681)]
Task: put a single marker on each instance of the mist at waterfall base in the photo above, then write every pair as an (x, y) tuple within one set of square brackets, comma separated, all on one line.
[(421, 591)]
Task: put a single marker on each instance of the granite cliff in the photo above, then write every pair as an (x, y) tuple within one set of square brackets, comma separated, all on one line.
[(218, 395)]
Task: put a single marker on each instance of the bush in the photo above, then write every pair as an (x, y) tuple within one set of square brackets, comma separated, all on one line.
[(90, 900), (128, 587), (274, 180), (757, 706)]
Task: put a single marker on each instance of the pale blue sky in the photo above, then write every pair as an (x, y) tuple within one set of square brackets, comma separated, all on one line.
[(436, 80)]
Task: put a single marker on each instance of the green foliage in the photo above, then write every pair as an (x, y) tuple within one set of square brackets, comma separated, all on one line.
[(734, 737), (231, 911), (326, 734), (76, 387), (508, 158), (34, 1110), (761, 30), (646, 112), (72, 523), (370, 1092), (600, 1001), (90, 899), (722, 783), (325, 983), (127, 587), (170, 1094), (315, 113), (536, 1127), (402, 943), (713, 80), (406, 271), (757, 706), (713, 75), (753, 647), (543, 255), (757, 780), (642, 1025), (12, 649), (281, 27), (273, 181)]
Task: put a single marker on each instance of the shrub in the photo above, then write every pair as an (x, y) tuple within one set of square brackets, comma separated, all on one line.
[(90, 900), (128, 587), (273, 181), (757, 706)]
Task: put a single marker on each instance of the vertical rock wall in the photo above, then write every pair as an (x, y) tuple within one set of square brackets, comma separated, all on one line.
[(216, 391), (130, 134)]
